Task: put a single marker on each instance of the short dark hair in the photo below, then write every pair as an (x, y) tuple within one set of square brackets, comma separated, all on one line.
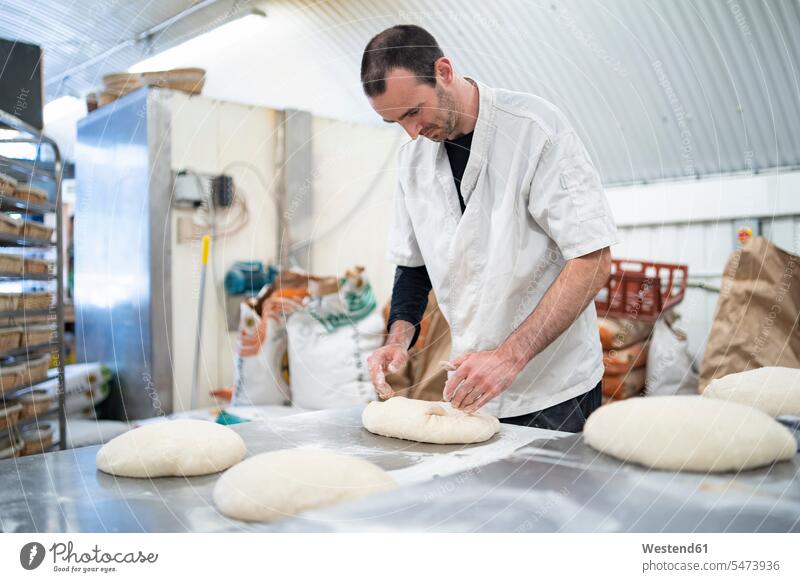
[(403, 46)]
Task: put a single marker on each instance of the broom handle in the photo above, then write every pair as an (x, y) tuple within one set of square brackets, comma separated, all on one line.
[(201, 299)]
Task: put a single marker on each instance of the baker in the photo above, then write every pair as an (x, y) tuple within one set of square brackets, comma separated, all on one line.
[(500, 210)]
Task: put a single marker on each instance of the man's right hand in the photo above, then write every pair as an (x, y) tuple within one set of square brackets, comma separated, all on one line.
[(391, 357), (386, 360)]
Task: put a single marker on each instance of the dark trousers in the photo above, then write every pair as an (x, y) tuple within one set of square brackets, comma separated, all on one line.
[(569, 416)]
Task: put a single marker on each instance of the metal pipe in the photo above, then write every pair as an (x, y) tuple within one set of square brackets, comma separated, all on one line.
[(283, 236), (62, 388), (15, 123), (28, 165)]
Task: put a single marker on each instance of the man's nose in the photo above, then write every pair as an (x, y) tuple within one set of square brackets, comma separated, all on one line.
[(412, 129)]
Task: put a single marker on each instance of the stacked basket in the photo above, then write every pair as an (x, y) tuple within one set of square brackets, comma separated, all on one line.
[(116, 85), (26, 331)]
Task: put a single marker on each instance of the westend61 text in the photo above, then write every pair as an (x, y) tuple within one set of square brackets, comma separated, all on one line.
[(670, 549)]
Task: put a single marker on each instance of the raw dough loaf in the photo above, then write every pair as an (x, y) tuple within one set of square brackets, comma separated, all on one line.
[(775, 390), (175, 448), (688, 433), (427, 422), (274, 485)]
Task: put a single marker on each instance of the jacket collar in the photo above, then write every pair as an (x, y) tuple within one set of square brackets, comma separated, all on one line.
[(480, 139)]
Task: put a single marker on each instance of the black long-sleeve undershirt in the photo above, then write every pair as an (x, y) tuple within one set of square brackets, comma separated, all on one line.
[(410, 297)]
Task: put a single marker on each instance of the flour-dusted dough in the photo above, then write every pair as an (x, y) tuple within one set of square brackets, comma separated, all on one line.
[(688, 433), (774, 390), (275, 485), (427, 422), (175, 448)]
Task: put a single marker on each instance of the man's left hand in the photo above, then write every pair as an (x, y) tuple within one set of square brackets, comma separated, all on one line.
[(480, 377)]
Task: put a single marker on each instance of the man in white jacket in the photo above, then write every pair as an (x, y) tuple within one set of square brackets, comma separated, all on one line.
[(502, 213)]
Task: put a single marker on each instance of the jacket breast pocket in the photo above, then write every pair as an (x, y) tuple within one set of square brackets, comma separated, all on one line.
[(579, 180)]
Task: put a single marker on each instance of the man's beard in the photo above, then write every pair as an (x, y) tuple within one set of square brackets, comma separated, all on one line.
[(446, 106)]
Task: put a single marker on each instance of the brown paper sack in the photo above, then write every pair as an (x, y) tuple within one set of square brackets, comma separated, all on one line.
[(756, 322), (423, 378)]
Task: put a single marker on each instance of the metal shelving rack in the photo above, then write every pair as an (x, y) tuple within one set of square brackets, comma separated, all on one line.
[(27, 171)]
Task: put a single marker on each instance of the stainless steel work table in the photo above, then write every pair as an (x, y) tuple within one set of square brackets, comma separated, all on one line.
[(522, 480)]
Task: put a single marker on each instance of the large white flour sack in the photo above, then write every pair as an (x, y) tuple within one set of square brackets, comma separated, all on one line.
[(427, 422), (175, 448), (688, 433), (275, 485), (774, 389)]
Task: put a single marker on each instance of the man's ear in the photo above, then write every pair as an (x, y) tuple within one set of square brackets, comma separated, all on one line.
[(444, 71)]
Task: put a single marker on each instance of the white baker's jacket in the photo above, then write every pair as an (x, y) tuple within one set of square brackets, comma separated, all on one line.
[(534, 200)]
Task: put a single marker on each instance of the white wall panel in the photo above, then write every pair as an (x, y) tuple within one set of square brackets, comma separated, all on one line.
[(785, 232), (354, 178)]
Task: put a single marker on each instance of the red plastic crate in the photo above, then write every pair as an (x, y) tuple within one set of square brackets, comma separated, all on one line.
[(641, 290)]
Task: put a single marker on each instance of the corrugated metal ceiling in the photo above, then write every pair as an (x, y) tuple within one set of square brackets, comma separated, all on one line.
[(657, 89), (85, 39)]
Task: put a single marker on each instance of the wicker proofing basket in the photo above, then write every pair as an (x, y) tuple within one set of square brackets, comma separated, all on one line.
[(36, 230), (91, 101), (11, 444), (30, 194), (10, 301), (35, 402), (10, 338), (37, 266), (36, 300), (37, 438), (189, 80), (10, 225), (122, 83), (36, 335), (107, 97), (11, 376), (11, 264), (37, 368), (9, 414), (7, 185)]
